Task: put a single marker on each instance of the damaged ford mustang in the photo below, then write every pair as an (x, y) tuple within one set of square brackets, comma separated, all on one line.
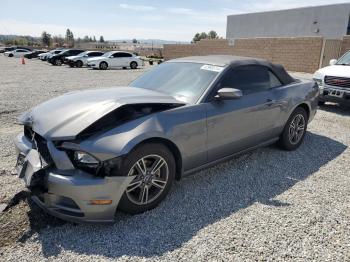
[(86, 154)]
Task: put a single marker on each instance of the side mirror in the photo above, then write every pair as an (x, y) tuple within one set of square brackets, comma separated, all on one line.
[(229, 93), (333, 62)]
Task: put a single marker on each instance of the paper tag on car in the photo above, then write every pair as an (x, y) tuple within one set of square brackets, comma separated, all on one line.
[(212, 68)]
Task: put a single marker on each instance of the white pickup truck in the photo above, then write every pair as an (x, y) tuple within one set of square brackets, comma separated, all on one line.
[(334, 81)]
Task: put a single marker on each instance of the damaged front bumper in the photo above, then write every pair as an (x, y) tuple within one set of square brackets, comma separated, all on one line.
[(68, 193)]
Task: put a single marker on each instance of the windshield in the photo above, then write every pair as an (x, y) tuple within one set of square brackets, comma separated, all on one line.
[(344, 60), (83, 53), (185, 81), (107, 54)]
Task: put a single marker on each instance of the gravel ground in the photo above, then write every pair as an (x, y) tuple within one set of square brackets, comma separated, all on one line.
[(265, 205)]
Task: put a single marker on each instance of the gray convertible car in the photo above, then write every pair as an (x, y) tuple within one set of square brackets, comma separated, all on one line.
[(88, 153)]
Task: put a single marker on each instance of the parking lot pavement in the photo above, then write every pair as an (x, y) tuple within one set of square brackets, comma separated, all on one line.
[(268, 204)]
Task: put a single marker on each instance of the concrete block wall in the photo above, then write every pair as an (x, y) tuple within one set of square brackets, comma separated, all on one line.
[(345, 45), (300, 54)]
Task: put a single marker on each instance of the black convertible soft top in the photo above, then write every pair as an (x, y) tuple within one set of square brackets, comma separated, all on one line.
[(234, 61)]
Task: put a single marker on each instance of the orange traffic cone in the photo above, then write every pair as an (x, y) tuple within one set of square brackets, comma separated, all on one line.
[(23, 62)]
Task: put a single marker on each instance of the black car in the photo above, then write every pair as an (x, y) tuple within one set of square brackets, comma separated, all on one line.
[(34, 54), (59, 58)]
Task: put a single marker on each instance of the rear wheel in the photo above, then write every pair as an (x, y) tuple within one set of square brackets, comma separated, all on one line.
[(133, 65), (10, 55), (103, 66), (153, 168), (294, 131), (79, 63)]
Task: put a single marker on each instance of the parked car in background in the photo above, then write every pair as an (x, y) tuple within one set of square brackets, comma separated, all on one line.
[(47, 55), (115, 59), (81, 59), (5, 49), (334, 81), (34, 54), (17, 53), (60, 57), (86, 153)]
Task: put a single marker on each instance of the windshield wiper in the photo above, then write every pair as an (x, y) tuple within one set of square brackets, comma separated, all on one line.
[(343, 64)]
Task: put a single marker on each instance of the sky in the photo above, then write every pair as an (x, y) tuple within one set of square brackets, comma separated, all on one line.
[(127, 19)]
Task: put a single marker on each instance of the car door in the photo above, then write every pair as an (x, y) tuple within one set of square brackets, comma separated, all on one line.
[(237, 124), (19, 53), (127, 58), (115, 60)]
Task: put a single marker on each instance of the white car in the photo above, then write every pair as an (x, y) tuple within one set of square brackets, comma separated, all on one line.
[(334, 81), (17, 53), (81, 59), (45, 56), (115, 59)]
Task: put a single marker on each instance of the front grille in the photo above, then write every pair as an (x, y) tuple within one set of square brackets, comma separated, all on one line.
[(39, 143), (42, 148), (343, 82)]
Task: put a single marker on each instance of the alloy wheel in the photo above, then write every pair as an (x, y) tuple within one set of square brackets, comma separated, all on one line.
[(296, 129), (151, 176)]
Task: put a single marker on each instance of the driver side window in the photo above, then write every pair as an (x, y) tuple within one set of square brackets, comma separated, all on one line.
[(250, 79)]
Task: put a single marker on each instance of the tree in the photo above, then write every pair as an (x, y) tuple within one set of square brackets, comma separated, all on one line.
[(134, 41), (94, 39), (101, 39), (203, 35), (199, 36), (69, 38), (86, 39), (46, 39), (212, 35), (196, 37), (58, 40)]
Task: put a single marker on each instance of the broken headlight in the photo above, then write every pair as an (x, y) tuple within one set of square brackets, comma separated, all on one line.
[(85, 158), (86, 162)]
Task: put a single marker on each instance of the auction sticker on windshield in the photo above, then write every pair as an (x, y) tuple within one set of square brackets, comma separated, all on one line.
[(212, 68)]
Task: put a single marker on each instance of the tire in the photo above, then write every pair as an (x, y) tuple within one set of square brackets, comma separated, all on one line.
[(10, 55), (58, 62), (71, 65), (293, 134), (133, 65), (79, 63), (103, 66), (134, 200), (321, 103)]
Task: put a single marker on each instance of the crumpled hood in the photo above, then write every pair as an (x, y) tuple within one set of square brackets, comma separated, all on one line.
[(66, 116), (334, 70)]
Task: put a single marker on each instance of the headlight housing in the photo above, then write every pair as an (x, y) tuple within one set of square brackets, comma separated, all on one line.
[(86, 162), (85, 158), (319, 82)]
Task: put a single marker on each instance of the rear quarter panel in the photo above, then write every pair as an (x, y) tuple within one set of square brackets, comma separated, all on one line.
[(293, 95)]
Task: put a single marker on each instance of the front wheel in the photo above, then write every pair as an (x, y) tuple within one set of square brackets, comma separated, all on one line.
[(153, 168), (103, 66), (79, 63), (133, 65), (294, 131)]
